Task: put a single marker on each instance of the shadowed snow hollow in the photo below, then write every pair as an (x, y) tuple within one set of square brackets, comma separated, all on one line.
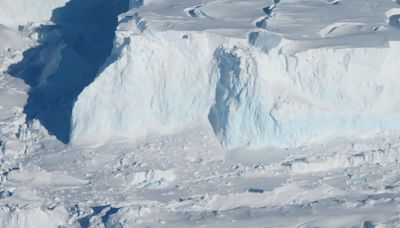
[(255, 88), (71, 48)]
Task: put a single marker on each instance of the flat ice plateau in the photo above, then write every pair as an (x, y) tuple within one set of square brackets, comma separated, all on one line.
[(207, 113)]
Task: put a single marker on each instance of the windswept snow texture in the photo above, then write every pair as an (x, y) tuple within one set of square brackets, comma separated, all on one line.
[(70, 53), (22, 12), (176, 63)]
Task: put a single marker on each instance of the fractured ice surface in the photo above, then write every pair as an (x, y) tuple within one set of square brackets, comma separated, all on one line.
[(254, 87)]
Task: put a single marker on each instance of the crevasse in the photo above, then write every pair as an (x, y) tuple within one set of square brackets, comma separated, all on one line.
[(253, 92)]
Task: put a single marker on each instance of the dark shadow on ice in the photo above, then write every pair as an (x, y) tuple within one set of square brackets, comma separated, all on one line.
[(394, 20), (70, 54), (85, 221), (227, 91)]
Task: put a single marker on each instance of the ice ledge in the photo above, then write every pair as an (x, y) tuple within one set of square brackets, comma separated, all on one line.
[(257, 89), (251, 91)]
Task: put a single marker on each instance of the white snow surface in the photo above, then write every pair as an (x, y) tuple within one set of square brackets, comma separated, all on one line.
[(180, 63), (21, 12), (185, 82)]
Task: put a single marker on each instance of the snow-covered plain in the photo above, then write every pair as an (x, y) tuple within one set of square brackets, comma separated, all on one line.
[(208, 113)]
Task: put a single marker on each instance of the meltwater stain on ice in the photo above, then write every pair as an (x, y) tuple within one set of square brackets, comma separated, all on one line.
[(70, 54)]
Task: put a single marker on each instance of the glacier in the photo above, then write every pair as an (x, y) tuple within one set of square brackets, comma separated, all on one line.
[(165, 113), (254, 87)]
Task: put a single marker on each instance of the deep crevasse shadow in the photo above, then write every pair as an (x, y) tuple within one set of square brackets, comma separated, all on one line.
[(70, 54)]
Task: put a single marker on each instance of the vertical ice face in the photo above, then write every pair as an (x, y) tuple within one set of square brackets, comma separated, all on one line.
[(164, 86), (69, 50), (239, 115), (254, 92)]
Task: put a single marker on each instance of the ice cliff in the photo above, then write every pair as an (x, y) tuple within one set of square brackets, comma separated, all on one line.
[(256, 87)]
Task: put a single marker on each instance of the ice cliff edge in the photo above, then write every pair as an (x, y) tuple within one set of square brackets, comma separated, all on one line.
[(251, 85)]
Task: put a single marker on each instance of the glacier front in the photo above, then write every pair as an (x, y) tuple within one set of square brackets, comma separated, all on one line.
[(235, 71)]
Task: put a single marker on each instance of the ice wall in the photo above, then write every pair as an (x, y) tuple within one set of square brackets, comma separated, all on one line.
[(155, 90), (253, 92)]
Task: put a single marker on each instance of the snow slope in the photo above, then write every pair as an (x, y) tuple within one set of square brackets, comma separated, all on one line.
[(10, 39), (249, 71), (21, 12)]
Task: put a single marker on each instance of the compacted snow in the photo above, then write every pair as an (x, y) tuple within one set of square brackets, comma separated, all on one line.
[(208, 113)]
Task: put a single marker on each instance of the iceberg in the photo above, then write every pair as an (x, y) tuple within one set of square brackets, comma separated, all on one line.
[(253, 86)]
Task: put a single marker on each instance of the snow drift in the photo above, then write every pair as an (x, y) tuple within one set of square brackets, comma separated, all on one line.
[(254, 91), (15, 13)]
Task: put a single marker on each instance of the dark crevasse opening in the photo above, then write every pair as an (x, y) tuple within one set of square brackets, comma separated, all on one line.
[(227, 91), (69, 56)]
